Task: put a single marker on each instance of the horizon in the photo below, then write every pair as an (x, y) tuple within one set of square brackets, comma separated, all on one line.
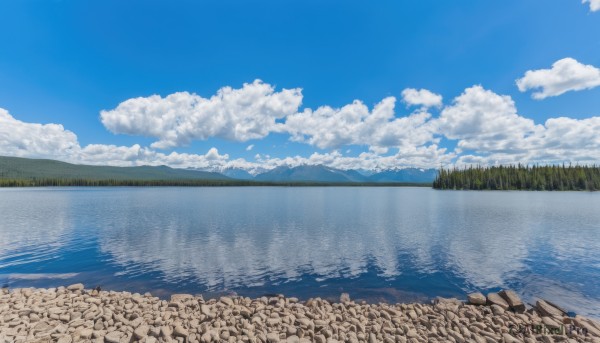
[(369, 87)]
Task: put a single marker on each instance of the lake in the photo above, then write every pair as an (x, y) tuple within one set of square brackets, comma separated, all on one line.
[(378, 244)]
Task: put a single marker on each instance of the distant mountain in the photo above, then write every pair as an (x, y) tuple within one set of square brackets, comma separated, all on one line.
[(309, 173), (25, 168), (237, 173), (405, 175), (321, 173)]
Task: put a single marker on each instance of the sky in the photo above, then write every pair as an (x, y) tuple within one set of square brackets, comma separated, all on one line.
[(260, 84)]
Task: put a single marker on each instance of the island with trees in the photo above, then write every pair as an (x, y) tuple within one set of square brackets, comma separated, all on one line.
[(520, 177)]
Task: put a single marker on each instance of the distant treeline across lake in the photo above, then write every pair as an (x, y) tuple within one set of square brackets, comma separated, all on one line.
[(519, 177)]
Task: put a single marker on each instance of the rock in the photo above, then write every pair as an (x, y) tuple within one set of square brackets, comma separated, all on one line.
[(549, 322), (509, 339), (165, 331), (181, 297), (65, 339), (497, 310), (75, 287), (206, 311), (226, 300), (179, 331), (545, 309), (141, 331), (345, 298), (113, 337), (590, 326), (513, 300), (272, 337), (86, 333), (476, 299), (65, 316), (495, 299)]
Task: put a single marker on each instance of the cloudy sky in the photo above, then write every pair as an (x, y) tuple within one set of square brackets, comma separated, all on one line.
[(258, 84)]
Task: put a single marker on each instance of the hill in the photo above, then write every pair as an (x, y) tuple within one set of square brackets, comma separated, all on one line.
[(25, 168)]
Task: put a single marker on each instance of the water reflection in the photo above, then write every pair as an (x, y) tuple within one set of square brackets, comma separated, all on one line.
[(390, 241), (31, 230)]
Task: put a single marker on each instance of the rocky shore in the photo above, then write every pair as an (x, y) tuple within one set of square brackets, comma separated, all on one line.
[(75, 314)]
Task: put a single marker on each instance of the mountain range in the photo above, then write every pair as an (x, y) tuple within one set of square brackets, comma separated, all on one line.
[(24, 168)]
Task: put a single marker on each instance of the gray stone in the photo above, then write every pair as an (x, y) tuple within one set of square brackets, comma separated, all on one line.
[(179, 331), (497, 310), (495, 299), (65, 339), (75, 287), (141, 331), (546, 309), (113, 337), (226, 300), (272, 337), (181, 297), (476, 299), (513, 300)]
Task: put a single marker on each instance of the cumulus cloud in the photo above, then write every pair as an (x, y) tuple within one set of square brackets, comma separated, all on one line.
[(421, 97), (594, 4), (565, 75), (484, 121), (18, 138), (489, 130), (486, 128), (355, 124), (177, 119)]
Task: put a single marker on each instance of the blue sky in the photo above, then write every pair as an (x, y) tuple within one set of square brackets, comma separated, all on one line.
[(64, 62)]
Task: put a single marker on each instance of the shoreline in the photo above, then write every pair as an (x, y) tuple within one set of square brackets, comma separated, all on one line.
[(74, 313)]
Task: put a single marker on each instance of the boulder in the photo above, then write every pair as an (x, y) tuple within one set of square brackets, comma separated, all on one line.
[(546, 309), (476, 299), (75, 287), (495, 299), (513, 300)]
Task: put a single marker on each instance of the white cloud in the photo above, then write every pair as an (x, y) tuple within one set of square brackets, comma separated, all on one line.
[(594, 4), (234, 114), (484, 121), (18, 138), (486, 127), (565, 75), (422, 97), (354, 124)]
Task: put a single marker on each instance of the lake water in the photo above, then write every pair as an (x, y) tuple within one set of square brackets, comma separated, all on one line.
[(378, 244)]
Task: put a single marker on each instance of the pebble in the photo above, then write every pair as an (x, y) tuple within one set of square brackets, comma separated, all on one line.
[(67, 315), (476, 299)]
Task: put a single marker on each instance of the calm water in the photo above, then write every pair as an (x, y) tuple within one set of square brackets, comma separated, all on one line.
[(393, 244)]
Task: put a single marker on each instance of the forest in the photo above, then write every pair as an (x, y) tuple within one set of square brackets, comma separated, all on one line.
[(64, 182), (520, 177)]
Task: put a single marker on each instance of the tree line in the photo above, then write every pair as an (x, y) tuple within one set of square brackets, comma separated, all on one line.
[(82, 182), (520, 177)]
